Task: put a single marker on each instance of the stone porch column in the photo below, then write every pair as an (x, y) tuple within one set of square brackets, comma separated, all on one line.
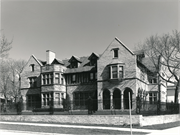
[(122, 101), (111, 101), (42, 102)]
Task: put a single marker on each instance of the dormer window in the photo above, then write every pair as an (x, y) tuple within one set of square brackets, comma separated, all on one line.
[(32, 67), (74, 62), (115, 52), (93, 59)]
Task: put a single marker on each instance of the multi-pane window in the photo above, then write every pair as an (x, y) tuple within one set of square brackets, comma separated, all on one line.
[(57, 78), (33, 82), (47, 79), (47, 98), (153, 80), (152, 98), (116, 72)]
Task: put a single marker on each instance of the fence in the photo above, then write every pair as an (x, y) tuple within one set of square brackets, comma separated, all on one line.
[(109, 107)]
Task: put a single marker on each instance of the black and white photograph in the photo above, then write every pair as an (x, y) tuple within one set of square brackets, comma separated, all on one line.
[(90, 67)]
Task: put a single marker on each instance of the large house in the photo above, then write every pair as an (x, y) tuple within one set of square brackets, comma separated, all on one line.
[(109, 79)]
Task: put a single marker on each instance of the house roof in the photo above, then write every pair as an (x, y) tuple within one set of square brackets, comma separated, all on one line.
[(82, 68), (56, 61), (83, 88), (33, 91), (147, 62), (76, 58)]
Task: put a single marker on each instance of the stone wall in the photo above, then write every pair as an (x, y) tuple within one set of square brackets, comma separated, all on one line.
[(75, 119), (151, 120), (94, 119)]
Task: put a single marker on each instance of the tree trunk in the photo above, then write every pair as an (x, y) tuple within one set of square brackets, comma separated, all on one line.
[(177, 92)]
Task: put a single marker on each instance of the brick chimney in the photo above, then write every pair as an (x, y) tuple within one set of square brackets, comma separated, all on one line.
[(50, 56)]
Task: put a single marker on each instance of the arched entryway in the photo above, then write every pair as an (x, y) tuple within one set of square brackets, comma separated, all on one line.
[(126, 98), (117, 99), (106, 99)]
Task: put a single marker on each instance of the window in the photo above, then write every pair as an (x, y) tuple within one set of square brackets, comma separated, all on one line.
[(32, 67), (73, 78), (33, 82), (57, 98), (152, 98), (44, 79), (120, 72), (47, 98), (115, 52), (93, 62), (62, 81), (47, 79), (116, 72), (57, 78), (91, 76), (153, 80)]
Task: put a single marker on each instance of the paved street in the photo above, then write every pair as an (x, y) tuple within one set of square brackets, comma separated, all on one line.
[(21, 128)]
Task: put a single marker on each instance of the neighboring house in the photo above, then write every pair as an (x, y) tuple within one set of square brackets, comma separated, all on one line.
[(108, 78)]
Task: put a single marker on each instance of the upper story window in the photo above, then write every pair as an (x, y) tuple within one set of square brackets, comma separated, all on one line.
[(115, 52), (33, 82), (116, 72), (73, 78), (47, 79), (91, 76), (57, 78), (93, 59), (32, 67), (74, 64), (153, 80)]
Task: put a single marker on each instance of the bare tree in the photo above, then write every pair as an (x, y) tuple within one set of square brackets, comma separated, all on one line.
[(10, 79), (164, 51), (5, 46), (5, 80)]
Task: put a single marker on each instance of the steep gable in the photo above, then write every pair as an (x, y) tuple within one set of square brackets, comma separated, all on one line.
[(117, 53)]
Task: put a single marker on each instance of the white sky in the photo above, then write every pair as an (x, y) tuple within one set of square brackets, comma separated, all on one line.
[(81, 27)]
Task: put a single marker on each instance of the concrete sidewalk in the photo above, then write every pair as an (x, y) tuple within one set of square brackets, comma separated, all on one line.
[(170, 131), (17, 132), (79, 126), (174, 131)]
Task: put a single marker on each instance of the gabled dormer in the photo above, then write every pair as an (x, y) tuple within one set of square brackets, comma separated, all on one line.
[(93, 59), (74, 62), (56, 61)]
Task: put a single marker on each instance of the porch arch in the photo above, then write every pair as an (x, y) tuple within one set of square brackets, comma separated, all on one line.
[(117, 99), (126, 98), (106, 99)]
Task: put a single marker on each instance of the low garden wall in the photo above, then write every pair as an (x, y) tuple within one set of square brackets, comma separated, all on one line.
[(160, 119), (94, 119)]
